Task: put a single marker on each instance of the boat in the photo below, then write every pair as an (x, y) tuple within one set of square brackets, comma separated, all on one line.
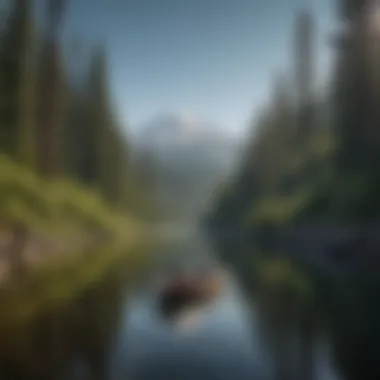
[(185, 289)]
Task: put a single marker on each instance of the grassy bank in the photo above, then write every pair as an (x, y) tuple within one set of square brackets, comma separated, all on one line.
[(56, 218), (76, 235), (52, 286), (51, 205)]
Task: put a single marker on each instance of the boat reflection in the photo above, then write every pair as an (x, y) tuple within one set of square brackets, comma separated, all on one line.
[(188, 290)]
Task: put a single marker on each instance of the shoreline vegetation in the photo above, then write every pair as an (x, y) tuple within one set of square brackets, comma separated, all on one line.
[(73, 240), (45, 220), (68, 186), (313, 161)]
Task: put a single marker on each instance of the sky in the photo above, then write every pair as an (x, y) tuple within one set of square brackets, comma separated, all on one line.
[(213, 59)]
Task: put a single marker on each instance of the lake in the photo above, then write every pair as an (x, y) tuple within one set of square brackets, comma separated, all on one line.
[(114, 331)]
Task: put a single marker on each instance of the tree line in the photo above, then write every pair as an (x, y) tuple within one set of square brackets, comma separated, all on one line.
[(67, 182), (313, 159), (56, 120), (313, 155)]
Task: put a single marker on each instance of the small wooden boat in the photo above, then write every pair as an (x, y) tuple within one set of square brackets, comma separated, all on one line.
[(187, 289)]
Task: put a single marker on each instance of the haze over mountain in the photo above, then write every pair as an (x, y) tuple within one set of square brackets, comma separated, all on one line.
[(183, 141), (180, 128), (191, 156)]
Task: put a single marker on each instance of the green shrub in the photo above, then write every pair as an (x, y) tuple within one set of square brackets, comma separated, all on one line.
[(37, 203)]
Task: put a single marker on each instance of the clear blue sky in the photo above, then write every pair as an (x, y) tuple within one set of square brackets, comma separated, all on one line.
[(214, 58)]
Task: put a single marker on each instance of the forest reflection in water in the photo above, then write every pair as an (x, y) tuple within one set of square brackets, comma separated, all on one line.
[(114, 331), (70, 339)]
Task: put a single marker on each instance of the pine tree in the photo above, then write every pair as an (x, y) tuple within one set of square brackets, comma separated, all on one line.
[(99, 118), (304, 45), (73, 135), (108, 144), (51, 80), (356, 116), (17, 75)]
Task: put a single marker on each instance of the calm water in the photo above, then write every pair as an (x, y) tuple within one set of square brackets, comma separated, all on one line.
[(113, 332), (218, 347)]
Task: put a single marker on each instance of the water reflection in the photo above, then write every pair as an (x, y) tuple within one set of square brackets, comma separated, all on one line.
[(109, 332), (220, 347), (69, 337)]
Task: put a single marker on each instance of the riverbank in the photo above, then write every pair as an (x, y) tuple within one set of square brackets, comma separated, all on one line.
[(57, 239), (51, 222), (67, 312), (52, 286)]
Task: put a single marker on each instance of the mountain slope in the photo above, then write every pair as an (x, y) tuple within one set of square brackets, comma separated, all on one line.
[(191, 158)]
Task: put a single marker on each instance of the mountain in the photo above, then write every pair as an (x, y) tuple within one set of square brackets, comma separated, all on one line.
[(176, 129), (186, 136), (191, 158)]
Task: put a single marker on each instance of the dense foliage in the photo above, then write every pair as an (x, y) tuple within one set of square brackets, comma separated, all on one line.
[(66, 179), (313, 155), (55, 123), (313, 161)]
